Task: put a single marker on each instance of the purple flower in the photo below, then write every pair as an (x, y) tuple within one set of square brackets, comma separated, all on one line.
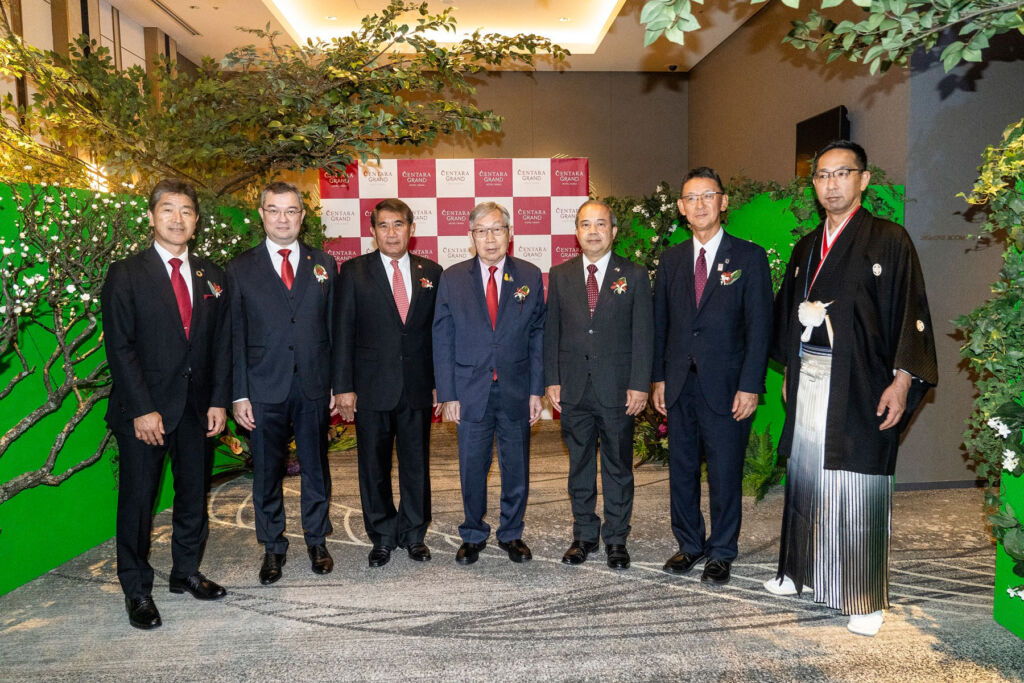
[(663, 429)]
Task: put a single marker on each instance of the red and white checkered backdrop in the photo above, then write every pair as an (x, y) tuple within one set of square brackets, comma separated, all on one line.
[(541, 194)]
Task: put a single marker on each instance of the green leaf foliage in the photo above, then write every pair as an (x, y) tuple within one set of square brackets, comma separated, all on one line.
[(259, 110)]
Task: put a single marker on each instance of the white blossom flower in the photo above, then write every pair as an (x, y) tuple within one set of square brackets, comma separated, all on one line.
[(654, 239), (999, 426), (638, 253), (70, 289), (1010, 460), (86, 297)]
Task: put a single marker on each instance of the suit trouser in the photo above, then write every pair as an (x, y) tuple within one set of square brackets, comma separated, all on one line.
[(584, 425), (694, 428), (407, 431), (309, 420), (476, 452), (139, 468)]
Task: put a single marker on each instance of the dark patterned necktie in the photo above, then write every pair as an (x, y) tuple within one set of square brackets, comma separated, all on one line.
[(287, 274), (592, 288), (181, 294), (700, 275)]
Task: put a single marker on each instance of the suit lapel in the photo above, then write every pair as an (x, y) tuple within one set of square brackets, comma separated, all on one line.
[(382, 278), (577, 285), (723, 263), (157, 272), (476, 286), (605, 295), (303, 276), (417, 277), (685, 275), (199, 288), (508, 287)]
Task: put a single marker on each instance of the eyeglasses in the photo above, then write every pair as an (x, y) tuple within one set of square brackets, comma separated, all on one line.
[(274, 212), (493, 231), (708, 197), (393, 225), (838, 174)]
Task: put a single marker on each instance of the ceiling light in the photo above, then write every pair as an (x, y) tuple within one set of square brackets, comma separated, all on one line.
[(564, 19), (330, 17)]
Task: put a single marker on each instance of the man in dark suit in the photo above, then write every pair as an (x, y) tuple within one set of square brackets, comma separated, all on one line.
[(488, 368), (713, 323), (597, 367), (167, 334), (384, 360), (282, 297)]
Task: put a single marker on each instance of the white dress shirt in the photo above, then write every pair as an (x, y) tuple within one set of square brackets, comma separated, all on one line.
[(485, 275), (602, 268), (185, 269), (404, 266), (277, 259), (710, 250)]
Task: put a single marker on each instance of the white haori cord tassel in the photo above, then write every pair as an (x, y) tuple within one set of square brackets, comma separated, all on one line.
[(811, 315)]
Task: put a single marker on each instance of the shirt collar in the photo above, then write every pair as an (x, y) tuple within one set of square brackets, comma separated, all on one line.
[(601, 263), (274, 247), (166, 256), (485, 269), (403, 262), (712, 244)]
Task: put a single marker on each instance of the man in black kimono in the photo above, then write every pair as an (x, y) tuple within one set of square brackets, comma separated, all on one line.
[(851, 314)]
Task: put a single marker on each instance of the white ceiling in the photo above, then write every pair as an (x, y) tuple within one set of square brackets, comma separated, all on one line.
[(603, 35)]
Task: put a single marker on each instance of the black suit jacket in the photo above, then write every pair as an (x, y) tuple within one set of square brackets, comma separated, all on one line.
[(727, 336), (279, 334), (151, 361), (614, 348), (376, 355)]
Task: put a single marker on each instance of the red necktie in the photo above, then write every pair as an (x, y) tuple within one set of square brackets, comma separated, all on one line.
[(181, 294), (492, 298), (592, 289), (287, 274), (398, 288), (492, 308), (700, 275)]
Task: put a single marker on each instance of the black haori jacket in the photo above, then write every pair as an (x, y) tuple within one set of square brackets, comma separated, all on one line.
[(880, 319)]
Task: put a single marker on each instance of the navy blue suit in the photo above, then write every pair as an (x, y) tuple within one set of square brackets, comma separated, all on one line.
[(467, 353), (705, 354), (282, 364)]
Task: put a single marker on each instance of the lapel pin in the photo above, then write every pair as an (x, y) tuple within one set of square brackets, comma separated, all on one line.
[(199, 273), (720, 267)]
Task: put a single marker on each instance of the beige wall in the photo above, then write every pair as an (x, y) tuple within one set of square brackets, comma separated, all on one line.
[(747, 96), (632, 126)]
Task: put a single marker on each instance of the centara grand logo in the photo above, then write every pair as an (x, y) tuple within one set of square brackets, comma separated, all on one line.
[(339, 215), (492, 176), (565, 213), (455, 252), (416, 177), (531, 215), (454, 215), (569, 175), (338, 181), (530, 251), (532, 175), (565, 253), (454, 175), (377, 176)]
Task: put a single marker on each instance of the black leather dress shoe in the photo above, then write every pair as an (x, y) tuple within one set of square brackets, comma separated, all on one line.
[(681, 563), (716, 572), (469, 552), (618, 556), (517, 550), (271, 569), (578, 551), (419, 552), (321, 560), (142, 612), (198, 585), (379, 556)]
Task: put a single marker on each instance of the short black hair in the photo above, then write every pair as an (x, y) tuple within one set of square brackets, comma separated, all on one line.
[(280, 187), (858, 151), (703, 172), (393, 205), (173, 186)]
